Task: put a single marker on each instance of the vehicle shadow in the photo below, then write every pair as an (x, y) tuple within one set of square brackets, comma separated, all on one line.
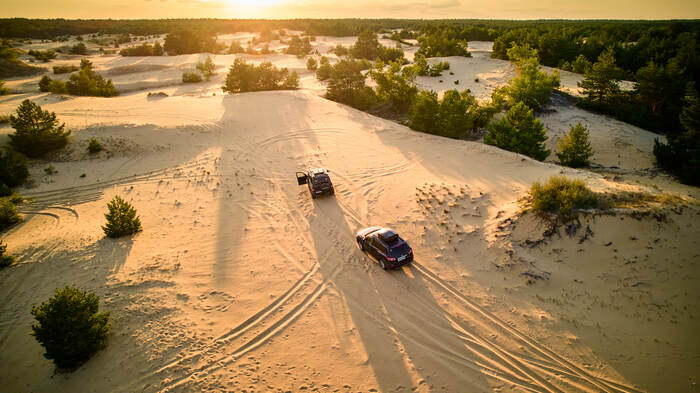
[(407, 334)]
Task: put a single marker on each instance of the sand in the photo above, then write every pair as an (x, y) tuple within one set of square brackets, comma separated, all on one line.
[(241, 282)]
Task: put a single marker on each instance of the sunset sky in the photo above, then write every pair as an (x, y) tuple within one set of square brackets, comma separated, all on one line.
[(278, 9)]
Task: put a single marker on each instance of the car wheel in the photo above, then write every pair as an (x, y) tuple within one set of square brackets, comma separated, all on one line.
[(382, 264), (359, 243)]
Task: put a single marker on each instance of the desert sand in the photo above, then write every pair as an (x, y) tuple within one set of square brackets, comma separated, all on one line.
[(240, 282)]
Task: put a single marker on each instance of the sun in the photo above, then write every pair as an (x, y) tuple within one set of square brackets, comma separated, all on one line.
[(254, 3)]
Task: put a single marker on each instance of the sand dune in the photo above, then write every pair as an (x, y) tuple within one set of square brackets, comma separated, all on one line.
[(240, 281)]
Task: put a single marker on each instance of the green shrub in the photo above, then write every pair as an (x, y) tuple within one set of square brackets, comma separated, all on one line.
[(94, 146), (299, 47), (44, 56), (79, 49), (519, 132), (58, 87), (121, 219), (36, 131), (324, 69), (64, 69), (3, 90), (575, 148), (531, 86), (346, 84), (13, 169), (50, 170), (236, 48), (395, 84), (191, 77), (424, 113), (244, 77), (8, 214), (87, 82), (44, 83), (559, 197), (70, 328), (5, 259), (311, 64), (207, 68), (455, 116)]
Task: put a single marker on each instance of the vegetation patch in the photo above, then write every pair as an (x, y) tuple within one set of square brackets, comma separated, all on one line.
[(558, 198), (121, 219), (70, 327), (37, 131), (244, 77)]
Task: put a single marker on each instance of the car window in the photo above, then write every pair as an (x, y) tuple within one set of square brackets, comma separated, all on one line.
[(379, 245)]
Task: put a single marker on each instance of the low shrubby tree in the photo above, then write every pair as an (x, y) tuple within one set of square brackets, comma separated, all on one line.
[(244, 77), (191, 77), (395, 84), (37, 131), (324, 69), (346, 84), (558, 198), (207, 68), (532, 86), (3, 90), (519, 132), (44, 83), (602, 80), (8, 214), (144, 49), (340, 50), (44, 56), (87, 82), (681, 155), (455, 116), (581, 65), (311, 64), (442, 43), (13, 171), (423, 68), (183, 42), (368, 47), (63, 70), (94, 146), (79, 49), (235, 48), (70, 327), (121, 219), (299, 47), (575, 148), (5, 258), (158, 49)]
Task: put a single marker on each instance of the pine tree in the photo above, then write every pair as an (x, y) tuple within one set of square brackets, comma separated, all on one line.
[(70, 328), (207, 68), (36, 131), (519, 132), (575, 148), (602, 80), (121, 219)]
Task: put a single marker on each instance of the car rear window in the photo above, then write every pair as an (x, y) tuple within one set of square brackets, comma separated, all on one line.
[(400, 248)]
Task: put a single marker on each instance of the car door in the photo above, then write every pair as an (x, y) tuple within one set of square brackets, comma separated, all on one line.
[(374, 247)]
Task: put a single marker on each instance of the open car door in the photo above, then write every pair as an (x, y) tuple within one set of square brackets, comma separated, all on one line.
[(302, 178)]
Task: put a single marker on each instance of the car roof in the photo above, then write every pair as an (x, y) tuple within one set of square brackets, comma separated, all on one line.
[(388, 235)]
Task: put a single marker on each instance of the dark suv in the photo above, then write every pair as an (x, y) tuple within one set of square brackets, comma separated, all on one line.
[(385, 246), (318, 181)]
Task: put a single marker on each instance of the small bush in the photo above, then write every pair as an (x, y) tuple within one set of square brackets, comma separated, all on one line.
[(64, 69), (44, 56), (87, 82), (4, 119), (519, 132), (245, 77), (13, 169), (5, 259), (44, 83), (159, 94), (457, 82), (121, 219), (191, 77), (207, 68), (94, 146), (324, 69), (70, 328), (575, 148), (50, 170), (8, 214), (311, 64), (79, 49), (558, 197), (36, 131)]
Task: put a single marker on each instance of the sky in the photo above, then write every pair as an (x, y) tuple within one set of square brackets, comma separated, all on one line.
[(420, 9)]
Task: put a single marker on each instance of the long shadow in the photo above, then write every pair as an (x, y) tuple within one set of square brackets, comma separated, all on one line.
[(405, 331)]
